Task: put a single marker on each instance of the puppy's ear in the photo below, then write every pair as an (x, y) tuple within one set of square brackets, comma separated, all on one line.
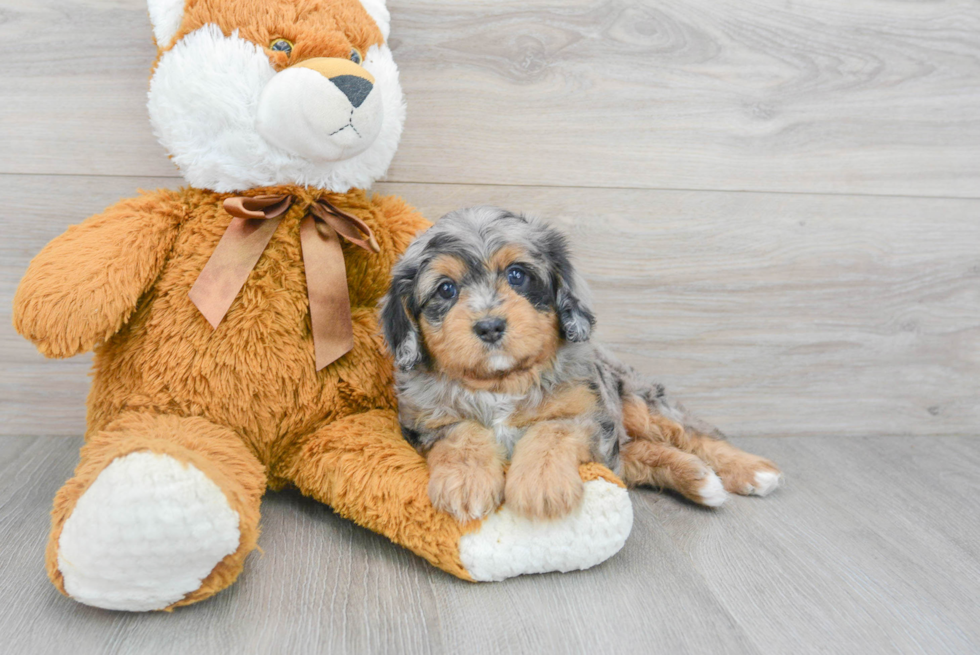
[(573, 302), (573, 305), (400, 330)]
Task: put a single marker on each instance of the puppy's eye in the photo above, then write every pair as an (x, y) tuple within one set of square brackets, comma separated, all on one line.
[(281, 45), (516, 276), (447, 290), (355, 56)]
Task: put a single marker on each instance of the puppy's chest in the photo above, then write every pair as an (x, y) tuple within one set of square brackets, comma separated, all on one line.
[(507, 434), (494, 412)]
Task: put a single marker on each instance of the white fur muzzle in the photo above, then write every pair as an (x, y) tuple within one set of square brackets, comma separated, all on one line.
[(304, 113)]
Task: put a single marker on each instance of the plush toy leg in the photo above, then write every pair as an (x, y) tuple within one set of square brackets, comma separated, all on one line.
[(363, 468), (161, 512)]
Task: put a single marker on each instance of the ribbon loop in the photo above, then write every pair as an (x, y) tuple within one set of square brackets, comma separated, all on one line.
[(347, 225), (257, 206), (246, 238)]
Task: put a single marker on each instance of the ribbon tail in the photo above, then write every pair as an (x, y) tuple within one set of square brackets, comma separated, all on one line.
[(226, 272), (326, 287)]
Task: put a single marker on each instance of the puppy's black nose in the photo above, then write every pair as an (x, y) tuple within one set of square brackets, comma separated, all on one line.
[(355, 88), (490, 330)]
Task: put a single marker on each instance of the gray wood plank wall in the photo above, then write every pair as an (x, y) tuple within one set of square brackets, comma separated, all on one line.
[(777, 204)]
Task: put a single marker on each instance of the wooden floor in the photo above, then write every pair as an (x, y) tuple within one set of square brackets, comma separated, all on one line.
[(777, 205), (872, 547)]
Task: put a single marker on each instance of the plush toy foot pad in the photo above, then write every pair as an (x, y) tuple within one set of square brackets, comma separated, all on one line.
[(145, 534), (507, 545)]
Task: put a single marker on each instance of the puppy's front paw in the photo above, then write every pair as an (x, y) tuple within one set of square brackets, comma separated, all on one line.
[(466, 492), (543, 490)]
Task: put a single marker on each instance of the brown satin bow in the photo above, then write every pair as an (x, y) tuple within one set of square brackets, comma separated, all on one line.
[(254, 221)]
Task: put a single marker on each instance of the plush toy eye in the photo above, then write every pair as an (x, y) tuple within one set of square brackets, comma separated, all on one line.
[(516, 276), (281, 45), (355, 56), (447, 290)]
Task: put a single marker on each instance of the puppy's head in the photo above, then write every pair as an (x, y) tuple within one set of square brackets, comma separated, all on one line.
[(485, 297)]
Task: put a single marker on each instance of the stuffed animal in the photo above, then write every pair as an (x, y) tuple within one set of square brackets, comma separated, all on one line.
[(234, 322)]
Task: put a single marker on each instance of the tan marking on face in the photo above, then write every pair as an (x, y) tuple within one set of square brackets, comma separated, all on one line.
[(450, 266), (531, 341), (441, 267), (566, 403), (506, 256), (543, 480), (452, 343), (466, 472)]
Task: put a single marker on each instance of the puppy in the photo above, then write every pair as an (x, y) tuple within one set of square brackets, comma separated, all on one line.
[(489, 327)]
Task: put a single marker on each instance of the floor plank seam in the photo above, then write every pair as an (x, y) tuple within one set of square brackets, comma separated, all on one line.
[(774, 192)]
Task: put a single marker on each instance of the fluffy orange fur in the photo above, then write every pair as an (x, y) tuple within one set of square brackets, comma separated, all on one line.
[(315, 28)]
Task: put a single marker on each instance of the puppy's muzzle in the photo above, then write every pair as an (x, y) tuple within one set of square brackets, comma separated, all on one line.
[(490, 330)]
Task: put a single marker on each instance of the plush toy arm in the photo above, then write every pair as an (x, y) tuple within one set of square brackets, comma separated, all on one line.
[(84, 285), (365, 470)]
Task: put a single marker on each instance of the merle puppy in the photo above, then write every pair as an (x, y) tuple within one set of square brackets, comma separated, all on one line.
[(489, 326)]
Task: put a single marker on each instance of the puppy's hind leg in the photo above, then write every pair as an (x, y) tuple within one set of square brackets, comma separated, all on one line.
[(648, 414), (661, 465), (741, 472)]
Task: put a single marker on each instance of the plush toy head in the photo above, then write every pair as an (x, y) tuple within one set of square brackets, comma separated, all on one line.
[(248, 93)]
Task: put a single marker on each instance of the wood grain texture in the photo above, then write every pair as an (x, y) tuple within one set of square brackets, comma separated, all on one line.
[(865, 96), (871, 547), (865, 551), (768, 314)]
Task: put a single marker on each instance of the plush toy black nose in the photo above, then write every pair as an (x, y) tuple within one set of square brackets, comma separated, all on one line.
[(490, 330), (355, 88)]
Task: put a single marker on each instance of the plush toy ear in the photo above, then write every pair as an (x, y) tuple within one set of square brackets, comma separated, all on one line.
[(400, 331), (377, 10), (166, 16)]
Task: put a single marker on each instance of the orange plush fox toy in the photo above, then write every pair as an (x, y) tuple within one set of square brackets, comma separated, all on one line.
[(234, 322)]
